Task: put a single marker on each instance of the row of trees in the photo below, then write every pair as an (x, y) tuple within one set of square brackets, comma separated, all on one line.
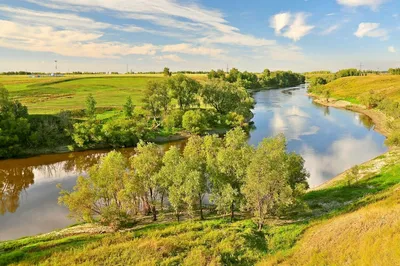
[(267, 79), (236, 176), (394, 71)]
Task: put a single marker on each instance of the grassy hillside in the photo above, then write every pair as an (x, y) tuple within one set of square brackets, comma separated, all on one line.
[(352, 88), (49, 95), (352, 225)]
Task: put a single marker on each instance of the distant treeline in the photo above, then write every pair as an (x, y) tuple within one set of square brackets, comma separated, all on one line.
[(267, 79), (394, 71)]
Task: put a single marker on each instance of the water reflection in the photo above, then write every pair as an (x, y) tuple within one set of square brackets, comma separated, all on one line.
[(329, 139)]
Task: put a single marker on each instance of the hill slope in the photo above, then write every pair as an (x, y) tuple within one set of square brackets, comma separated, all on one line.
[(352, 88)]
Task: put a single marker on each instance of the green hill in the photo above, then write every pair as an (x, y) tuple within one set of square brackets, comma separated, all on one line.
[(353, 88), (353, 225)]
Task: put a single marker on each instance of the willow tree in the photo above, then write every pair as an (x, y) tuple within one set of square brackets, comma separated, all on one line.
[(145, 166), (267, 188)]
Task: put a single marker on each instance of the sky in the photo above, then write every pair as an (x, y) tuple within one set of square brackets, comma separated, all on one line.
[(147, 35)]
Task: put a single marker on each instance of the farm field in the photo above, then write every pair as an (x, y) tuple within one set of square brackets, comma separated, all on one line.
[(50, 95)]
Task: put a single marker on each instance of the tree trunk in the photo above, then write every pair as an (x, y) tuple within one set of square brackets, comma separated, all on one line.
[(162, 201), (232, 210), (201, 207), (153, 210), (260, 226), (177, 215)]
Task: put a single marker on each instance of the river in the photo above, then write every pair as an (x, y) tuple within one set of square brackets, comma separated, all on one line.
[(330, 140)]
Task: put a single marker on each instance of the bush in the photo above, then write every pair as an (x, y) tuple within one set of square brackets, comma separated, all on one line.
[(194, 121), (120, 133), (393, 139), (173, 120)]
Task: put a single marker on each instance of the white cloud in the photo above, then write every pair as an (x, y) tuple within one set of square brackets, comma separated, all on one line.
[(330, 29), (280, 21), (373, 4), (65, 42), (371, 30), (391, 49), (186, 48), (171, 57), (291, 26)]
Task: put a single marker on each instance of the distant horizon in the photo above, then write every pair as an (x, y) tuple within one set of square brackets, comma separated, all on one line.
[(106, 35)]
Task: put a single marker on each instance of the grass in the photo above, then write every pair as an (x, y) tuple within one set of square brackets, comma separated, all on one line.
[(352, 88), (354, 225), (50, 95)]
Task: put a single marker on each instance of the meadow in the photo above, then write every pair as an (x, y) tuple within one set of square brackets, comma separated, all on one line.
[(353, 88), (50, 95), (342, 224)]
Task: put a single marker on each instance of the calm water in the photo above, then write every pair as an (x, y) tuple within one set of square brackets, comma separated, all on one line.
[(330, 140)]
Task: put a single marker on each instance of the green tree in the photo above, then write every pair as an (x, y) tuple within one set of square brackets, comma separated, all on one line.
[(194, 121), (156, 98), (184, 90), (226, 97), (91, 107), (146, 164), (129, 107), (352, 175), (98, 194), (166, 72), (232, 161), (267, 188)]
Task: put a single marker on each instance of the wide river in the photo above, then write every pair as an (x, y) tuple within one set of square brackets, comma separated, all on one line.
[(329, 139)]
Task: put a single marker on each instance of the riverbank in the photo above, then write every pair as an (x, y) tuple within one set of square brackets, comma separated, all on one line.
[(381, 125)]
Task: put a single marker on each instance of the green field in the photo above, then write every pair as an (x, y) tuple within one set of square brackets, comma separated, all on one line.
[(343, 226), (50, 95), (354, 87)]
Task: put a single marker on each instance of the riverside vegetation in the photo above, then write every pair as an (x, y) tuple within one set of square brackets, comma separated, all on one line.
[(155, 107), (350, 220)]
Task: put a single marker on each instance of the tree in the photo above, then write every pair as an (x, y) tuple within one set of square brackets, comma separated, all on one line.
[(145, 166), (327, 94), (91, 106), (194, 121), (184, 90), (129, 107), (232, 161), (98, 194), (196, 183), (226, 97), (352, 175), (156, 98), (267, 187), (166, 72), (233, 76)]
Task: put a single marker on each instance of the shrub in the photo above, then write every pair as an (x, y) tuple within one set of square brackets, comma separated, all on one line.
[(173, 120), (194, 121)]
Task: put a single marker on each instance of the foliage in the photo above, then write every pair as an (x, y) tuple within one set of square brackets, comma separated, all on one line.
[(347, 73), (166, 72), (99, 194), (394, 71), (219, 74), (91, 107), (173, 120), (121, 132), (184, 90), (226, 97), (280, 79), (267, 188), (129, 108), (156, 98), (194, 121)]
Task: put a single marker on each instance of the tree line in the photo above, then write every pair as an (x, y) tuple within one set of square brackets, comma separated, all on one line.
[(169, 106), (394, 71), (264, 181), (267, 79)]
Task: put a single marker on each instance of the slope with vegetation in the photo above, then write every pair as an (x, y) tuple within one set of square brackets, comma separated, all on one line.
[(354, 223)]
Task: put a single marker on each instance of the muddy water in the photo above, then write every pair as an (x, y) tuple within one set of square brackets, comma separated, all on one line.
[(330, 140)]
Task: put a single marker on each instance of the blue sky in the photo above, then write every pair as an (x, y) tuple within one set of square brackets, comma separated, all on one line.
[(108, 35)]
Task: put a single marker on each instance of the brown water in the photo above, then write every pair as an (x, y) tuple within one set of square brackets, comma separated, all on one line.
[(330, 140)]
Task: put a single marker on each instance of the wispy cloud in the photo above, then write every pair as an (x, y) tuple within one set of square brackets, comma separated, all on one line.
[(373, 4), (371, 30), (392, 49), (186, 48), (170, 57), (291, 26), (330, 29)]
